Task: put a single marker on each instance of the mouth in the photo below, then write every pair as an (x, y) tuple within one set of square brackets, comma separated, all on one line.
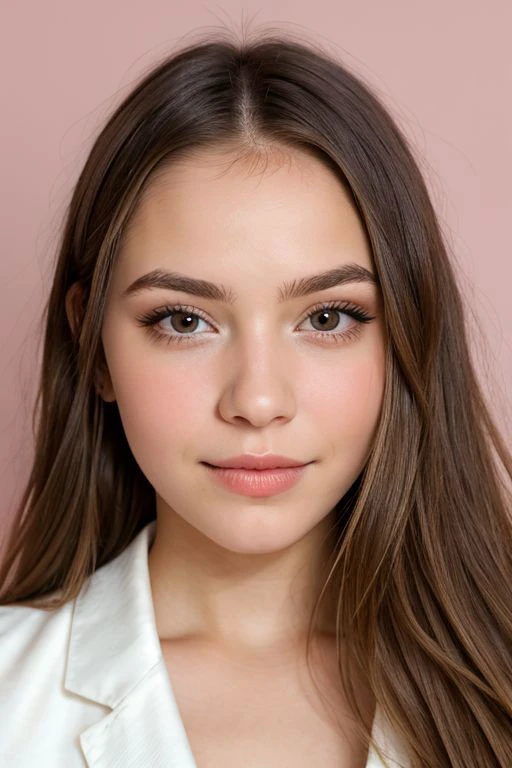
[(258, 461), (257, 482)]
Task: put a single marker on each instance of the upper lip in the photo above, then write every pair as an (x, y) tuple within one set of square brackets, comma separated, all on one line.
[(258, 461)]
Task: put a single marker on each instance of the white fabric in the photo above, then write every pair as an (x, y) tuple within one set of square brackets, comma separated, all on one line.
[(87, 685)]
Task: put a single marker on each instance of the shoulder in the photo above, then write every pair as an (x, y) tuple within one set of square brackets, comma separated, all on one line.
[(30, 637), (40, 719), (24, 619)]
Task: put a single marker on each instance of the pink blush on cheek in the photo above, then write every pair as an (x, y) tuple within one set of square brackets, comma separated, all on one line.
[(346, 403), (164, 406)]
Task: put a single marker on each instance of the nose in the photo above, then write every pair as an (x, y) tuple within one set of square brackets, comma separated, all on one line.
[(259, 385)]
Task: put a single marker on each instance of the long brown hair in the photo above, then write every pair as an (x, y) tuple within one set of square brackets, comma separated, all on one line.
[(422, 564)]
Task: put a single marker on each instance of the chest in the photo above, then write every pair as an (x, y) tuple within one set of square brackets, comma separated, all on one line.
[(260, 713)]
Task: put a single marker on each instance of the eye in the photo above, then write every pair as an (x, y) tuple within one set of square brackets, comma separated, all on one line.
[(327, 316), (328, 319), (184, 321)]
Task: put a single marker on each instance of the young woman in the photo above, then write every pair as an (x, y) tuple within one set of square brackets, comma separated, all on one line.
[(268, 520)]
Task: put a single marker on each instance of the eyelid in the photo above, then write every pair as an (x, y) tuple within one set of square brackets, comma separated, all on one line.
[(361, 316), (342, 305)]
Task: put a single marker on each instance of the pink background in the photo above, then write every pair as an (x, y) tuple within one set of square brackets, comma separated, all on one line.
[(443, 68)]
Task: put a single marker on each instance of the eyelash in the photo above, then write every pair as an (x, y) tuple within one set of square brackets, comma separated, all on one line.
[(150, 320)]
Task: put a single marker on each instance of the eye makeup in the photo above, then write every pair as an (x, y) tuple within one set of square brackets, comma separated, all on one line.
[(152, 321)]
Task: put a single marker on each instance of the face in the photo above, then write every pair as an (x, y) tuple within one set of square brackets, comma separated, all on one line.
[(301, 376)]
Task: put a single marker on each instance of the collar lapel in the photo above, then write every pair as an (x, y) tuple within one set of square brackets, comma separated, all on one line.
[(115, 660)]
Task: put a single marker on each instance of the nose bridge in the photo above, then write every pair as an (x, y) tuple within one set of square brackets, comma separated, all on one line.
[(263, 349)]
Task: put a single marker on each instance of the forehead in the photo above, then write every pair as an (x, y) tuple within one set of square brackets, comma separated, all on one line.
[(221, 202)]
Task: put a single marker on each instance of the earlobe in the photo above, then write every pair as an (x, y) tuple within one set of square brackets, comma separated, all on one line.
[(106, 393), (73, 303), (103, 384)]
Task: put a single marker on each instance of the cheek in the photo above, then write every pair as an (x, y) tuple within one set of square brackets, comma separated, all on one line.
[(160, 406), (159, 398), (345, 400)]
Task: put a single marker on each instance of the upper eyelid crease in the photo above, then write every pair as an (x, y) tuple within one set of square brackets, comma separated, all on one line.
[(173, 281)]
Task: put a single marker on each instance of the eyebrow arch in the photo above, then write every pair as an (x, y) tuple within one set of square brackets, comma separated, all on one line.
[(173, 281)]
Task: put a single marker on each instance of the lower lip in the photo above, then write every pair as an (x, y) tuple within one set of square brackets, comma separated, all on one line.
[(258, 482)]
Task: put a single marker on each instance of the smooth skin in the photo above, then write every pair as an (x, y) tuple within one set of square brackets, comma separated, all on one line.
[(234, 577)]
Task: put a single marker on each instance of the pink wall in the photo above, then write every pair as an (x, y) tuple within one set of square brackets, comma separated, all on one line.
[(444, 68)]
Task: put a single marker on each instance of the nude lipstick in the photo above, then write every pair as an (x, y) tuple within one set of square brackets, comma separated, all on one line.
[(257, 475)]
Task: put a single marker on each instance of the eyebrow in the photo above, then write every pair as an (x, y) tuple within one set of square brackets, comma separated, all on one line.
[(173, 281)]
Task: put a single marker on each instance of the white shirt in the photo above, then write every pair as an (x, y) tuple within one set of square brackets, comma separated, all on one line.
[(87, 685)]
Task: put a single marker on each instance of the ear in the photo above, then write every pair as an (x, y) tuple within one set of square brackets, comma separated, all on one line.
[(103, 381), (74, 313), (74, 308)]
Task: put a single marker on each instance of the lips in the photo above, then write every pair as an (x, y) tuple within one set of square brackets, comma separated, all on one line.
[(257, 462), (257, 482)]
